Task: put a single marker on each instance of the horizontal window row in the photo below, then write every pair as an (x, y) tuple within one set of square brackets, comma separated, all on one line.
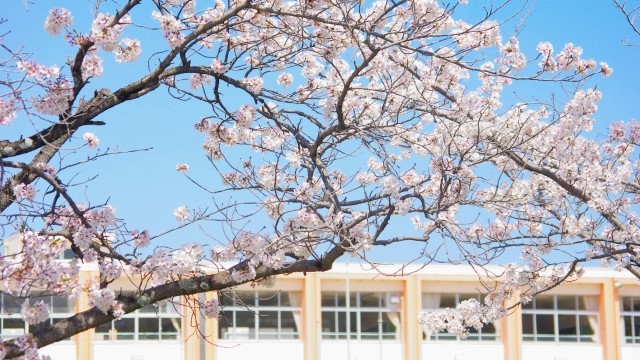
[(631, 319), (273, 315), (564, 318), (260, 315), (140, 328), (439, 301)]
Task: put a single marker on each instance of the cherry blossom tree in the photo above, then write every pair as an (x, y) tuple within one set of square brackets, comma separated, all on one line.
[(340, 126)]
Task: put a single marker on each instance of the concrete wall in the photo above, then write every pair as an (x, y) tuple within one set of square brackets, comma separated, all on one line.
[(259, 350), (559, 351), (462, 351), (360, 350), (630, 352), (136, 350), (62, 350)]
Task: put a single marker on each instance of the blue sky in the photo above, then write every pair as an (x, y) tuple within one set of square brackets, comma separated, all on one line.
[(145, 188)]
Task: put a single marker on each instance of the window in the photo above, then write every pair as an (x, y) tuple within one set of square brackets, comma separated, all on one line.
[(11, 323), (367, 316), (248, 315), (631, 319), (438, 301), (567, 318), (160, 322)]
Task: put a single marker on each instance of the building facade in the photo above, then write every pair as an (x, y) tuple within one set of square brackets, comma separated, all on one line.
[(351, 313)]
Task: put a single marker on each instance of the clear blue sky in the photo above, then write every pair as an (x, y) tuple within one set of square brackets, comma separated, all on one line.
[(145, 188)]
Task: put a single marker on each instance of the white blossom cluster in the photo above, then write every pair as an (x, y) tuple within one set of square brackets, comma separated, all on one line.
[(35, 314), (212, 309)]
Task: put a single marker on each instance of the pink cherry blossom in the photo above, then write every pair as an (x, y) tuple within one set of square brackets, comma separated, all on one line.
[(35, 314), (91, 139), (285, 79), (7, 111), (128, 51), (92, 66), (254, 84), (57, 19), (182, 167), (24, 192), (212, 309), (218, 67), (181, 213)]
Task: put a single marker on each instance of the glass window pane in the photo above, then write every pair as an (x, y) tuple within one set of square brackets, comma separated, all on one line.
[(170, 306), (636, 326), (528, 305), (341, 299), (288, 327), (626, 303), (448, 301), (170, 328), (328, 324), (369, 324), (102, 331), (125, 328), (62, 305), (567, 302), (489, 332), (447, 336), (342, 325), (370, 300), (545, 331), (635, 301), (581, 305), (68, 254), (245, 299), (567, 329), (225, 324), (268, 324), (44, 298), (226, 299), (245, 325), (463, 297), (586, 331), (353, 300), (328, 299), (389, 330), (285, 300), (474, 335), (354, 325), (527, 324), (269, 298), (489, 329), (148, 329), (628, 323), (544, 302), (12, 328), (10, 304)]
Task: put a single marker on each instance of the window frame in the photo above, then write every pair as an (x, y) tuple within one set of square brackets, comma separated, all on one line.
[(16, 316), (531, 309), (353, 313), (474, 335), (232, 305), (170, 312), (633, 315)]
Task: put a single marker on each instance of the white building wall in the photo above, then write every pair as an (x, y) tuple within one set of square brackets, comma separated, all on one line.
[(630, 352), (559, 351), (259, 350), (63, 350), (360, 350), (137, 350), (462, 351)]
